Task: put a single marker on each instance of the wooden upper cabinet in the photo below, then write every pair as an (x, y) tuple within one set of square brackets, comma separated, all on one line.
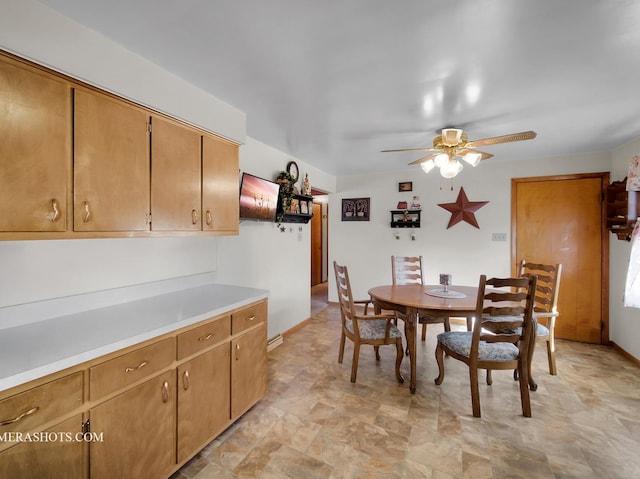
[(220, 186), (35, 149), (175, 177), (111, 164)]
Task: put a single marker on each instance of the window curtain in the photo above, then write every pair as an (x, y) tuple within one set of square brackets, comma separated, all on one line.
[(632, 286)]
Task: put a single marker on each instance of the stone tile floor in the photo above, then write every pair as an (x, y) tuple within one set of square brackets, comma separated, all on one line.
[(314, 423)]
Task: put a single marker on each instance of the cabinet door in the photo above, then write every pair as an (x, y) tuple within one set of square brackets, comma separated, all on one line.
[(203, 399), (35, 149), (61, 456), (220, 186), (175, 177), (139, 432), (111, 165), (248, 369)]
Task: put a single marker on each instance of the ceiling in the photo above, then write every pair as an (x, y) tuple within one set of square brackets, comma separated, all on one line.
[(333, 82)]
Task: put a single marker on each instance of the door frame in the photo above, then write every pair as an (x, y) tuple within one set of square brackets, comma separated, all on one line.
[(604, 235)]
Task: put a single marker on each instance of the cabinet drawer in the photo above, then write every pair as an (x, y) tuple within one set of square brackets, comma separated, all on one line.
[(202, 337), (130, 368), (32, 408), (248, 317)]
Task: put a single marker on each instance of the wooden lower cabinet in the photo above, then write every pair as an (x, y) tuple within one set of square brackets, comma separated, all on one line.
[(138, 427), (150, 408), (59, 454), (248, 369), (203, 400)]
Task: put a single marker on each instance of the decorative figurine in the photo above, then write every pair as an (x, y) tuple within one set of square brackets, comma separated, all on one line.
[(306, 188)]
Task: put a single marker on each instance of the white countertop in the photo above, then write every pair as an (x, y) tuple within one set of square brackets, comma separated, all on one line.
[(38, 348)]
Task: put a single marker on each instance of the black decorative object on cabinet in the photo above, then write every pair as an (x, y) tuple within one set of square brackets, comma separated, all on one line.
[(405, 218)]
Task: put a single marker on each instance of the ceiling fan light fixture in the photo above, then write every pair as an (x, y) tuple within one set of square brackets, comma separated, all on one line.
[(451, 169), (472, 157), (441, 159), (427, 166), (451, 136)]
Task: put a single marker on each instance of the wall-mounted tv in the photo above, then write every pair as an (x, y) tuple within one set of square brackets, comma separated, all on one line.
[(258, 198)]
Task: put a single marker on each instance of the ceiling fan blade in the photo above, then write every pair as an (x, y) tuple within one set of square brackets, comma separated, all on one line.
[(524, 135), (412, 149), (424, 158)]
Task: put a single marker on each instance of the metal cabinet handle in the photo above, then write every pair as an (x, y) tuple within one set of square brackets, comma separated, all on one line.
[(194, 217), (87, 212), (56, 211), (165, 391), (209, 218), (206, 338), (139, 366), (185, 380), (251, 318), (237, 352), (31, 411)]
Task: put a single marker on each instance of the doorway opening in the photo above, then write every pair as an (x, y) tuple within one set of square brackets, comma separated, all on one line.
[(319, 249)]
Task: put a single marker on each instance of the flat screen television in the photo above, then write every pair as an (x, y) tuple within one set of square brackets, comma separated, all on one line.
[(258, 198)]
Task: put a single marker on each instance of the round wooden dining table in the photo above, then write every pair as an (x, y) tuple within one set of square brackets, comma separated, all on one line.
[(413, 300)]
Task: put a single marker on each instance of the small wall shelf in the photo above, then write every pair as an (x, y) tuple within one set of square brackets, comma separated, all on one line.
[(405, 218), (621, 209), (301, 210)]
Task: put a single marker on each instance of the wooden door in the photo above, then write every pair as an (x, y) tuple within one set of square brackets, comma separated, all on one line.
[(316, 244), (220, 186), (35, 149), (203, 399), (175, 177), (248, 369), (139, 432), (111, 165), (561, 220)]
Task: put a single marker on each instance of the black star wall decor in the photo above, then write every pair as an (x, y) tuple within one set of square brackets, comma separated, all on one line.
[(463, 209)]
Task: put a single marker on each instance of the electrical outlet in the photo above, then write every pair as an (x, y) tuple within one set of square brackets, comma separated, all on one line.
[(499, 237)]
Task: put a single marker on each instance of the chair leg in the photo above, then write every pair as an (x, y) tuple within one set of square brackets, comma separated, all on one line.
[(524, 388), (399, 356), (354, 363), (475, 391), (424, 331), (341, 350), (377, 350), (551, 355), (440, 361), (447, 324)]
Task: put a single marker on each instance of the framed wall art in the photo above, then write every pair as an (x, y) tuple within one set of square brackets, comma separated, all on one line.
[(405, 186), (355, 209)]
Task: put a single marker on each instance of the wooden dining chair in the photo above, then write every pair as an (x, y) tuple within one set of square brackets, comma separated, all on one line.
[(410, 270), (373, 329), (503, 332), (545, 309)]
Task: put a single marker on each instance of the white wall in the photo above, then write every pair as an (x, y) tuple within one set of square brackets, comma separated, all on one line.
[(625, 322), (463, 250), (263, 256)]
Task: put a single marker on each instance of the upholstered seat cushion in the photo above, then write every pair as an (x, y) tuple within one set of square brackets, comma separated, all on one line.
[(541, 330), (460, 343), (374, 329)]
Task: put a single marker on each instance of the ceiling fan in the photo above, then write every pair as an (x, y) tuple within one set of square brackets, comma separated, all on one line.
[(453, 145)]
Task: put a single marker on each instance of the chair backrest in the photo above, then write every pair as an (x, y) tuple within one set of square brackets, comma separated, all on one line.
[(345, 297), (548, 285), (407, 270), (506, 313)]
